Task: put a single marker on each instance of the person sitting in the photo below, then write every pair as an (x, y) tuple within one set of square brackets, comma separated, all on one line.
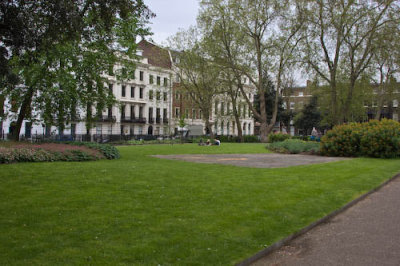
[(217, 142), (201, 143), (208, 143)]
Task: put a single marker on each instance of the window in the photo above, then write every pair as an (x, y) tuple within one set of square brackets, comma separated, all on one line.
[(133, 74), (158, 80), (140, 131), (158, 95), (141, 75), (186, 113), (284, 105), (222, 127), (165, 96), (165, 82), (132, 92), (140, 111), (177, 78), (395, 103), (141, 90), (244, 111), (291, 105), (110, 88), (222, 108), (165, 113), (301, 94), (133, 116), (228, 108), (151, 95), (194, 115), (122, 111), (151, 79), (176, 111), (176, 96), (200, 114), (123, 90), (216, 108)]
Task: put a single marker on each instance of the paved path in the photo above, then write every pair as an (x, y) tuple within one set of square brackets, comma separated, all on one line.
[(261, 160), (367, 233)]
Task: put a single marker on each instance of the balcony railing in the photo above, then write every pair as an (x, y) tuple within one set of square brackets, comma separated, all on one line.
[(165, 120), (140, 120), (107, 118), (158, 120), (151, 120)]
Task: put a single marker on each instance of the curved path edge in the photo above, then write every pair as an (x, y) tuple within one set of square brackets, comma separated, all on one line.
[(324, 219)]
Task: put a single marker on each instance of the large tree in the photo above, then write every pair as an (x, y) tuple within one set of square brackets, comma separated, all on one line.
[(63, 50), (199, 76), (339, 40), (247, 40)]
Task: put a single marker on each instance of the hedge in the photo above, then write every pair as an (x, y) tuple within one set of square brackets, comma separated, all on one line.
[(380, 139)]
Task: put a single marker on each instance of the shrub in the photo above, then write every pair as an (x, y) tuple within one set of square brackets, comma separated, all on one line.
[(48, 152), (110, 152), (277, 137), (371, 139), (294, 146)]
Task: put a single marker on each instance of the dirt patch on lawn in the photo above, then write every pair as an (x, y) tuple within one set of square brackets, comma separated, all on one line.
[(262, 160)]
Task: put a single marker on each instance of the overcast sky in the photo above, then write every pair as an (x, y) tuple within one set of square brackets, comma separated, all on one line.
[(170, 16)]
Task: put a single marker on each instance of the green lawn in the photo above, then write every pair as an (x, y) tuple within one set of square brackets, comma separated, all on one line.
[(148, 211)]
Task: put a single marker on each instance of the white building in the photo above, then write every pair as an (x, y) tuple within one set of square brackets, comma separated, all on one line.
[(146, 106)]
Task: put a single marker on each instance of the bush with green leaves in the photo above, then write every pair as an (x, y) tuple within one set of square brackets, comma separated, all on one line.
[(277, 137), (380, 139), (294, 146), (109, 151)]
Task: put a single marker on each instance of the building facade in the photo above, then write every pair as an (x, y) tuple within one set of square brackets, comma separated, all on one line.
[(148, 104)]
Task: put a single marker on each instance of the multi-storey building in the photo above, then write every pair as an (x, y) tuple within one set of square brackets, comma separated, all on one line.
[(149, 104), (296, 97)]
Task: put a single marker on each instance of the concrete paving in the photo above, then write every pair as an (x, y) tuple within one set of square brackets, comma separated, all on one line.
[(367, 233), (264, 160)]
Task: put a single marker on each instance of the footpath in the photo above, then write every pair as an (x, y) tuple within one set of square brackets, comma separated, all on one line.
[(368, 233)]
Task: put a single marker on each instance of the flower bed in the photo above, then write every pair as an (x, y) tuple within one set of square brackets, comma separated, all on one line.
[(48, 152)]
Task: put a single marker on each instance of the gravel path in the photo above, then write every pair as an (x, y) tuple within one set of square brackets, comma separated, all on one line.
[(262, 160)]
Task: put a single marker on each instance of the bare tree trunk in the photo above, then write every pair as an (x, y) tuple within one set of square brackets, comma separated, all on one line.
[(237, 119), (25, 107)]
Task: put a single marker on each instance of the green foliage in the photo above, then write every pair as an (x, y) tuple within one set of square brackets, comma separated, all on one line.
[(294, 146), (12, 155), (309, 117), (109, 151), (234, 139), (277, 137), (372, 139)]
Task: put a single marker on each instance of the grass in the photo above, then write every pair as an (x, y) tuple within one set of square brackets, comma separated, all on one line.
[(147, 211)]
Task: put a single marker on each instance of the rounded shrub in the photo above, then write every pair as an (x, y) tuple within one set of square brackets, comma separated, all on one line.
[(277, 137), (371, 139)]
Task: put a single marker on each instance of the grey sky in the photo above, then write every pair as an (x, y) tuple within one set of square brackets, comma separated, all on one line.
[(171, 15)]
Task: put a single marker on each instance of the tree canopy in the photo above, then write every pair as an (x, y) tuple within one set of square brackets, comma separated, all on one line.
[(56, 53)]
